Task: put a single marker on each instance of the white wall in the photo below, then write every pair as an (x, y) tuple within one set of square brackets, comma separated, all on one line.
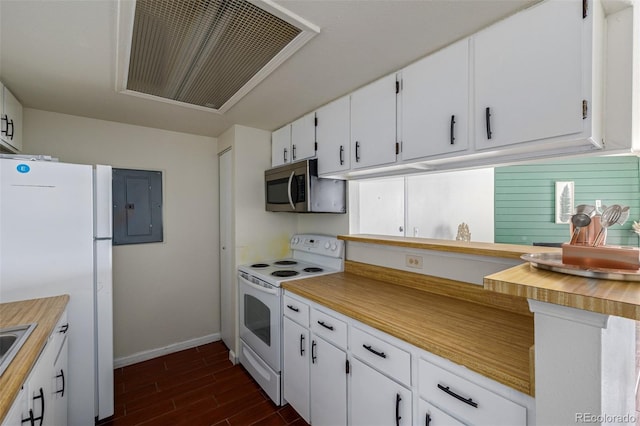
[(164, 293), (258, 235)]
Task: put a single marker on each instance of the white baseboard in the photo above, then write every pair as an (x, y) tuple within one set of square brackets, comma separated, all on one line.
[(232, 357), (175, 347)]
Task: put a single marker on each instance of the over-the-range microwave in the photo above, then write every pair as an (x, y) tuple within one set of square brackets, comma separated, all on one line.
[(297, 188)]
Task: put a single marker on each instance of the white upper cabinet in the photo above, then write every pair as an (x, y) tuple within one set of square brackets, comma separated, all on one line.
[(373, 124), (11, 120), (294, 142), (303, 138), (435, 103), (530, 79), (281, 146), (332, 135)]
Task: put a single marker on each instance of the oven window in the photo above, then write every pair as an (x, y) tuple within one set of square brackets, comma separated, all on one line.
[(257, 318)]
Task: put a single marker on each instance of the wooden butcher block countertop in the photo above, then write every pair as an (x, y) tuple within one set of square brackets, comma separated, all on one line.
[(420, 310), (610, 297), (45, 312)]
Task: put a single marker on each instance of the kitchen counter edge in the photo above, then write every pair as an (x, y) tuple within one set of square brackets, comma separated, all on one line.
[(510, 251)]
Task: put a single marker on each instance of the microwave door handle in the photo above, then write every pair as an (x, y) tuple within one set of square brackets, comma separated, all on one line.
[(293, 206)]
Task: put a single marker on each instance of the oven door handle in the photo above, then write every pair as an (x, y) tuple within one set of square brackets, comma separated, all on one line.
[(289, 190), (260, 288)]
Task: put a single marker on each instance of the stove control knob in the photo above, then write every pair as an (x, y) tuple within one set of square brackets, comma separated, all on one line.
[(295, 240), (334, 247), (327, 245)]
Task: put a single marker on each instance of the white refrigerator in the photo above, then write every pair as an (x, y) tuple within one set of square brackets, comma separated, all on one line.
[(55, 238)]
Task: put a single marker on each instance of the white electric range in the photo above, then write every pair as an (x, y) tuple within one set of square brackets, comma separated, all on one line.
[(260, 303)]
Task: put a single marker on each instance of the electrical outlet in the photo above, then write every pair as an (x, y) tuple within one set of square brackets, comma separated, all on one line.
[(413, 261)]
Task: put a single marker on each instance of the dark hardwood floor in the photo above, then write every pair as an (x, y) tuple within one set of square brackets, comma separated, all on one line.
[(197, 386)]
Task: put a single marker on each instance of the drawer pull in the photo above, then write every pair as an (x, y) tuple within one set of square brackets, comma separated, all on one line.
[(64, 328), (448, 391), (293, 308), (328, 327), (313, 352), (427, 420), (373, 351), (30, 419), (398, 418)]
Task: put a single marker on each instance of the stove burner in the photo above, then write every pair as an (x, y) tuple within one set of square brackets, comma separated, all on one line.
[(259, 265), (285, 262), (284, 273), (313, 269)]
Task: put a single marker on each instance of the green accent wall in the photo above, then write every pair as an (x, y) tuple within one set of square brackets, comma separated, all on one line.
[(525, 197)]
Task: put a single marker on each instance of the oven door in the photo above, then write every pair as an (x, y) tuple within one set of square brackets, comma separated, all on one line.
[(260, 320)]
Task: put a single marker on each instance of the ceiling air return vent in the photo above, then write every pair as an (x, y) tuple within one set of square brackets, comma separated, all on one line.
[(206, 54)]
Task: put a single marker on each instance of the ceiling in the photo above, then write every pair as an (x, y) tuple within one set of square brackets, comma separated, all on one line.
[(60, 55)]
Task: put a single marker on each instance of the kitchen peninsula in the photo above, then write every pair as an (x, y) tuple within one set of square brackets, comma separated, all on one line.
[(472, 304)]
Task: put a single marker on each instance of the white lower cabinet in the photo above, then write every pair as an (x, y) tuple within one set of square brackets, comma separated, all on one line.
[(43, 398), (328, 384), (339, 371), (429, 415), (315, 371), (296, 383), (376, 399), (465, 400)]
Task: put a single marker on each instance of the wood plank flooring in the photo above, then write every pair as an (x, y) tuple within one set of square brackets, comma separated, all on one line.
[(197, 386)]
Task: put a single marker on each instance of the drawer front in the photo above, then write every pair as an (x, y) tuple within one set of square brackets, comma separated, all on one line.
[(331, 329), (381, 355), (430, 415), (466, 400), (296, 310)]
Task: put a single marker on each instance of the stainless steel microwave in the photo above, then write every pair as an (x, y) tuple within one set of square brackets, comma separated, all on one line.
[(297, 188)]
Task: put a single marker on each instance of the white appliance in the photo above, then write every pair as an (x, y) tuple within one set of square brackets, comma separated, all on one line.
[(260, 304), (55, 238)]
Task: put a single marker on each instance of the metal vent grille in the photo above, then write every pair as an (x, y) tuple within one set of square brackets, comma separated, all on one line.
[(202, 52)]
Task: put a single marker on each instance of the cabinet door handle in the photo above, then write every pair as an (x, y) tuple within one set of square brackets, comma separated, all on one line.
[(357, 152), (398, 418), (64, 329), (487, 118), (313, 352), (284, 155), (293, 308), (341, 155), (453, 122), (373, 351), (302, 345), (61, 375), (448, 391), (328, 327), (41, 397), (293, 152), (427, 420)]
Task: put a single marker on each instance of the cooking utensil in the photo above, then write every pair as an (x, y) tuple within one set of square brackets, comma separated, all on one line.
[(610, 216), (579, 221), (587, 209), (624, 215)]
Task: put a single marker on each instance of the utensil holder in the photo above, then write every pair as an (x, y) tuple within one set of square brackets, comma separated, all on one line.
[(589, 233)]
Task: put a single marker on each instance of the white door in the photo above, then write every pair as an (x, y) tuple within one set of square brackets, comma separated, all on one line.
[(303, 137), (435, 101), (528, 81), (281, 146), (373, 124), (227, 267), (376, 399), (332, 135), (295, 380), (328, 384)]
